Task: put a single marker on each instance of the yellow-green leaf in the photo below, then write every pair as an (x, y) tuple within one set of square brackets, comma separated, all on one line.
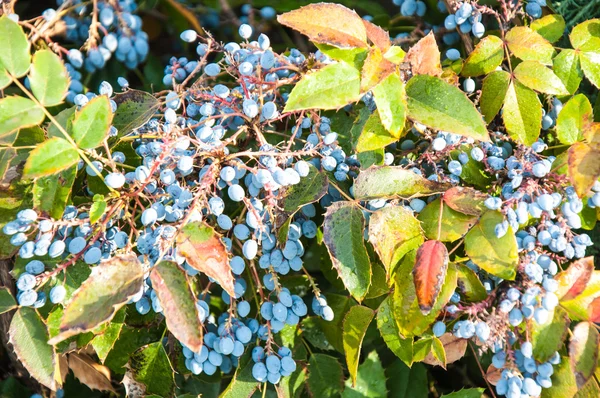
[(390, 98), (522, 113), (14, 57), (498, 256), (50, 157), (586, 36), (374, 135), (539, 78), (90, 125), (18, 112), (493, 92), (485, 58), (331, 87), (590, 64), (355, 326), (576, 113), (567, 67), (551, 27), (48, 78)]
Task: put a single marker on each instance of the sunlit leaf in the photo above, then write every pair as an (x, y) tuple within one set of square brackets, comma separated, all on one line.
[(539, 78), (15, 57), (440, 105), (375, 69), (586, 35), (90, 125), (51, 156), (391, 104), (48, 78), (493, 92), (18, 112), (522, 113), (424, 57), (327, 23), (551, 27), (134, 109), (527, 44), (549, 337), (567, 67), (355, 326), (583, 352), (584, 166), (485, 58)]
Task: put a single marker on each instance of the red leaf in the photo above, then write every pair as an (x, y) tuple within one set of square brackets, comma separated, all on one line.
[(429, 273), (377, 36), (327, 23), (179, 304), (594, 310), (574, 280), (204, 251), (424, 57)]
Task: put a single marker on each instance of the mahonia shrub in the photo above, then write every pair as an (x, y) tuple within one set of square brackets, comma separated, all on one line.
[(303, 224)]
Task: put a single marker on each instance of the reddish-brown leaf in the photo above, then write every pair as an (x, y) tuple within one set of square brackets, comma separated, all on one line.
[(327, 23), (493, 375), (465, 200), (429, 273), (594, 310), (455, 348), (424, 57), (572, 281), (179, 304), (375, 69), (378, 36), (204, 251), (583, 352), (584, 166)]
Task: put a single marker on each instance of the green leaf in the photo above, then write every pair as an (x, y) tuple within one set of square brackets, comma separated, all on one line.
[(51, 193), (333, 330), (442, 106), (473, 172), (493, 91), (586, 35), (522, 113), (310, 189), (499, 257), (97, 208), (29, 338), (469, 284), (374, 135), (324, 376), (405, 306), (130, 340), (7, 301), (485, 58), (205, 251), (110, 285), (583, 352), (590, 64), (151, 367), (566, 66), (394, 182), (175, 294), (343, 235), (539, 78), (379, 284), (393, 232), (355, 326), (466, 393), (388, 328), (15, 57), (370, 381), (50, 157), (134, 109), (551, 27), (243, 383), (331, 87), (407, 382), (438, 351), (90, 125), (589, 218), (529, 45), (352, 56), (576, 113), (48, 78), (104, 343), (549, 337), (4, 78), (390, 99), (18, 112), (65, 120), (454, 224)]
